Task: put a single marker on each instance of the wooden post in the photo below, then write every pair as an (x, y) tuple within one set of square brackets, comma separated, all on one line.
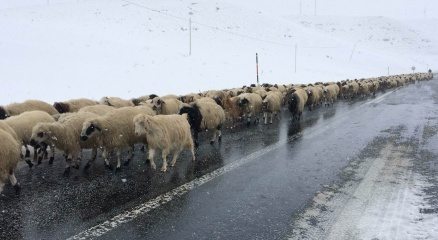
[(257, 68)]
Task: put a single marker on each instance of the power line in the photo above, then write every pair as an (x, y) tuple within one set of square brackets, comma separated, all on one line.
[(215, 28)]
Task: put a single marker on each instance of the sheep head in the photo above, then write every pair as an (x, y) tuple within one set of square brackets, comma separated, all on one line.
[(41, 134), (3, 113), (90, 128), (61, 107)]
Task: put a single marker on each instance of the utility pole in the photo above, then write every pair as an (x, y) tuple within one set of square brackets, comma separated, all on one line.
[(388, 70), (190, 36), (257, 68), (296, 46), (301, 7), (315, 8)]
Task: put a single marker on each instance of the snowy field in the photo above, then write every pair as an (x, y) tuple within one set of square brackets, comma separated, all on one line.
[(60, 49)]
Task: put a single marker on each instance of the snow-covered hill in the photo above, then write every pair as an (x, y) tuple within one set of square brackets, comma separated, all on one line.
[(61, 49)]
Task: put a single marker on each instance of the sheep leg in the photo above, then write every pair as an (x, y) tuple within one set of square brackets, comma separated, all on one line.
[(213, 139), (93, 158), (14, 182), (272, 115), (219, 131), (105, 157), (192, 149), (151, 158), (52, 151), (27, 157), (68, 164), (248, 120), (175, 156), (130, 156), (196, 137), (265, 117), (118, 159), (164, 154), (2, 185), (35, 153)]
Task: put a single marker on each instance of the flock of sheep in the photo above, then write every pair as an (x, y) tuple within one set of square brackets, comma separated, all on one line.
[(168, 123)]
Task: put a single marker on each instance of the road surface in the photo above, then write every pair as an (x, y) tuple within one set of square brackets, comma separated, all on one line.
[(261, 182)]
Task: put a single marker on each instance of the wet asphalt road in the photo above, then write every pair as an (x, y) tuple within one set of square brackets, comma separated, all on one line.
[(257, 200)]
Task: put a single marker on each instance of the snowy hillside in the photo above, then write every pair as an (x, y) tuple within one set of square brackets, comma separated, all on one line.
[(61, 49)]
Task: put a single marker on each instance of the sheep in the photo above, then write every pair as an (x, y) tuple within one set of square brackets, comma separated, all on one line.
[(205, 115), (232, 110), (22, 126), (206, 99), (73, 105), (218, 96), (189, 98), (9, 156), (363, 89), (251, 105), (5, 127), (296, 99), (165, 106), (330, 94), (115, 131), (314, 96), (169, 133), (14, 109), (139, 100), (116, 102), (271, 105), (99, 109), (354, 88), (64, 135)]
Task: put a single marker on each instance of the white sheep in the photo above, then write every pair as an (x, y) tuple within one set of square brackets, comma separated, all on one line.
[(116, 102), (99, 109), (115, 131), (168, 133), (65, 136), (73, 105), (9, 156), (14, 109), (166, 106), (22, 125), (251, 105), (271, 105), (205, 115)]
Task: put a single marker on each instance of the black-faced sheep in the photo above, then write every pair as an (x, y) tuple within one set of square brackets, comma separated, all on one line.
[(22, 126), (14, 109), (64, 135), (205, 115), (139, 100), (168, 133), (115, 131), (116, 102), (9, 156), (271, 105), (73, 105), (296, 99), (251, 105)]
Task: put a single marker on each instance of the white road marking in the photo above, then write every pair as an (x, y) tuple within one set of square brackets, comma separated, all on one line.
[(148, 206)]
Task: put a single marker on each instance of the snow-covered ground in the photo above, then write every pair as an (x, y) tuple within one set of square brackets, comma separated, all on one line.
[(60, 49), (385, 199)]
